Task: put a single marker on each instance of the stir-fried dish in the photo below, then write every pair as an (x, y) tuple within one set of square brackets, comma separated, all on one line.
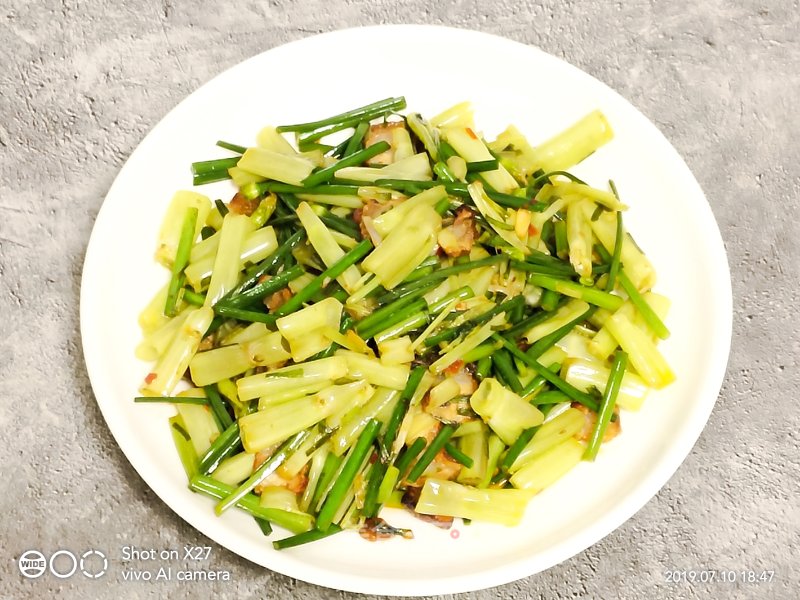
[(394, 312)]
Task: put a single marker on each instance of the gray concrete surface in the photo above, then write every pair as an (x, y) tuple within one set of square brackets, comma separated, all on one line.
[(82, 82)]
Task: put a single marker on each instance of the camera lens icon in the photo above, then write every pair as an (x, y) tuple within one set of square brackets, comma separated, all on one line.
[(32, 564)]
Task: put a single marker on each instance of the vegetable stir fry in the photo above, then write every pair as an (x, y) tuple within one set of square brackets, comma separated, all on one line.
[(395, 312)]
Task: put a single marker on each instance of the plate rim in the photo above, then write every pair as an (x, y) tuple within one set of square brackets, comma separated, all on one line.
[(643, 491)]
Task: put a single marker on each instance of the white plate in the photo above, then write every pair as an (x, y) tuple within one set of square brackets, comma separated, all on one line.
[(433, 67)]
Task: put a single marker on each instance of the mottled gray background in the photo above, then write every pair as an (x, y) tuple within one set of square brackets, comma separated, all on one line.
[(82, 82)]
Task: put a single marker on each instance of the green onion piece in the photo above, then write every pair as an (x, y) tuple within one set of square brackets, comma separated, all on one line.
[(376, 474), (183, 444), (249, 316), (354, 159), (185, 243), (293, 521), (570, 390), (193, 298), (458, 455), (221, 207), (227, 442), (650, 317), (615, 258), (263, 289), (232, 147), (403, 462), (444, 173), (326, 189), (210, 177), (484, 367), (329, 470), (364, 113), (325, 131), (482, 165), (441, 274), (170, 400), (550, 397), (480, 352), (354, 143), (430, 452), (607, 404), (273, 261), (209, 166), (378, 316), (540, 180), (516, 448), (549, 300), (505, 369), (218, 406), (400, 410), (544, 344), (537, 384), (263, 524), (348, 474), (265, 470), (206, 232), (452, 333), (320, 281), (576, 290), (305, 538)]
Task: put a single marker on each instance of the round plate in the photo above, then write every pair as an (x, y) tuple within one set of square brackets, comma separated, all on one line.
[(507, 82)]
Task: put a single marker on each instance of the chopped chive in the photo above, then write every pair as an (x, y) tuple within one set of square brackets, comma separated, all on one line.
[(320, 281), (400, 410), (442, 274), (483, 165), (354, 159), (573, 289), (370, 111), (550, 397), (273, 261), (458, 455), (326, 189), (294, 522), (444, 173), (210, 166), (185, 243), (549, 300), (615, 258), (193, 298), (305, 538), (268, 467), (329, 470), (537, 384), (221, 207), (263, 289), (516, 448), (263, 524), (218, 406), (562, 244), (170, 400), (650, 317), (607, 404), (570, 390), (250, 316), (376, 474), (505, 369), (206, 232), (430, 452), (483, 368), (404, 460), (348, 474), (210, 177), (328, 130), (225, 445), (354, 143), (542, 345), (232, 147)]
